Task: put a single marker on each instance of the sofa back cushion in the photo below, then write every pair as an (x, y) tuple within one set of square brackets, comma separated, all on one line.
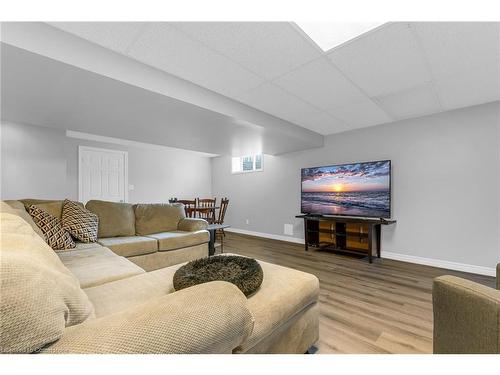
[(156, 218), (115, 219), (39, 296), (17, 208), (53, 207)]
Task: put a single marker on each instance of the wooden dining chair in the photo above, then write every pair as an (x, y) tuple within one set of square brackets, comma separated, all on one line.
[(220, 220), (206, 209), (189, 206)]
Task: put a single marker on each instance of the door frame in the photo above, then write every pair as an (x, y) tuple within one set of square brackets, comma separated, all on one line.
[(125, 166)]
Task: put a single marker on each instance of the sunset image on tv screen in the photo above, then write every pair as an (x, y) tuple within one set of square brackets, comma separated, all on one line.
[(360, 189)]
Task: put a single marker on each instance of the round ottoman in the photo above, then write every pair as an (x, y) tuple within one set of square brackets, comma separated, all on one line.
[(245, 273)]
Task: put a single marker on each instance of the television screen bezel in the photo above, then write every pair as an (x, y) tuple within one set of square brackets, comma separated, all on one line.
[(339, 165)]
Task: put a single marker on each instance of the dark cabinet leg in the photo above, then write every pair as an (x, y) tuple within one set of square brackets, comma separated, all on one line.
[(370, 243), (306, 240), (378, 228)]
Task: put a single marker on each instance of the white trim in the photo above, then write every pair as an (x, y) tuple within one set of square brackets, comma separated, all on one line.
[(125, 166), (471, 268), (126, 142), (266, 235)]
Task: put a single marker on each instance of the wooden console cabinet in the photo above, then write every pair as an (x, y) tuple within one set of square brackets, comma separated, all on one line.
[(360, 236)]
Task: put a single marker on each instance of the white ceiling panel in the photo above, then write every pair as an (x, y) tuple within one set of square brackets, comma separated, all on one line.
[(455, 48), (397, 71), (321, 84), (117, 36), (320, 122), (271, 99), (476, 87), (168, 49), (363, 113), (266, 48), (418, 101), (384, 61)]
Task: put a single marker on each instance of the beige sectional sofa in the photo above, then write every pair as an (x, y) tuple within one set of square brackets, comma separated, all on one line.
[(152, 236), (91, 299)]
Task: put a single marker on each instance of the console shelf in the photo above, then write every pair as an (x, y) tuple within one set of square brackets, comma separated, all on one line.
[(358, 236)]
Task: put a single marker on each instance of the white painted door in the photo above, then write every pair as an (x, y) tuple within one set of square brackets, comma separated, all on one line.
[(102, 174)]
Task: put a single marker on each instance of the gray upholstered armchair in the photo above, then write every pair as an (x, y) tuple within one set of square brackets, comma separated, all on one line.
[(466, 316)]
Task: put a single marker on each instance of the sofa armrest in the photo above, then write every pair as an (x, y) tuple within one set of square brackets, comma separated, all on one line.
[(192, 225), (466, 317), (206, 318), (498, 276)]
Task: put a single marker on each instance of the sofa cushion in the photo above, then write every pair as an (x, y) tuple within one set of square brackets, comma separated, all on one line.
[(79, 222), (51, 226), (17, 208), (40, 297), (115, 219), (179, 239), (155, 218), (53, 207), (85, 245), (131, 245), (98, 265), (116, 296)]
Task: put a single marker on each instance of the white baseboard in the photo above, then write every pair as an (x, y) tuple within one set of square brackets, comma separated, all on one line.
[(386, 254), (266, 235), (471, 268)]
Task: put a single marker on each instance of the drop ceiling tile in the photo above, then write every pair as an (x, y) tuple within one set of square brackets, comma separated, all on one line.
[(320, 122), (266, 48), (361, 114), (384, 61), (454, 48), (416, 102), (477, 87), (117, 36), (273, 100), (321, 84), (168, 49)]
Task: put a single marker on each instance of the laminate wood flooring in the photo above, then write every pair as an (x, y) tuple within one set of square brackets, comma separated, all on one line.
[(383, 307)]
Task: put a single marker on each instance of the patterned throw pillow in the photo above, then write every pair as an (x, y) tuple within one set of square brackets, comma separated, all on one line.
[(79, 222), (51, 226)]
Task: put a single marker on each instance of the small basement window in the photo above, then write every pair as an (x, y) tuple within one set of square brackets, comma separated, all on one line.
[(249, 163)]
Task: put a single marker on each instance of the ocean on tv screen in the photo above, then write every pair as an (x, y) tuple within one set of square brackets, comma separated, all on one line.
[(358, 189)]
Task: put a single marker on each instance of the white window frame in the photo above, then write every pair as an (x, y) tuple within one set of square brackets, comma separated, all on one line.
[(240, 171)]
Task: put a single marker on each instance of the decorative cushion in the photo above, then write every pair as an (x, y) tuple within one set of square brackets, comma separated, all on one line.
[(79, 222), (245, 273), (56, 236), (53, 207)]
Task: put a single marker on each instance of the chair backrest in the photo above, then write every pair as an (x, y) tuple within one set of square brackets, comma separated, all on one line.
[(189, 206), (205, 210), (222, 211), (206, 202)]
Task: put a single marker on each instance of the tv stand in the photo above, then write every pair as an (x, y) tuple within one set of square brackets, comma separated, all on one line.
[(350, 235)]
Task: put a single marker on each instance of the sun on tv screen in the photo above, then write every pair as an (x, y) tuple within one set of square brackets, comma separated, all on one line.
[(358, 189)]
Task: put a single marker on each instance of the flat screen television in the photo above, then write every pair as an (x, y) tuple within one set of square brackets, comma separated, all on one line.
[(357, 189)]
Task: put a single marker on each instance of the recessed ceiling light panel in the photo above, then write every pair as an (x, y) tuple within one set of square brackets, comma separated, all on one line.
[(328, 35)]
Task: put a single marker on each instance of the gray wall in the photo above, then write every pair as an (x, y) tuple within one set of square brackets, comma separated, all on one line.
[(446, 184), (41, 162)]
